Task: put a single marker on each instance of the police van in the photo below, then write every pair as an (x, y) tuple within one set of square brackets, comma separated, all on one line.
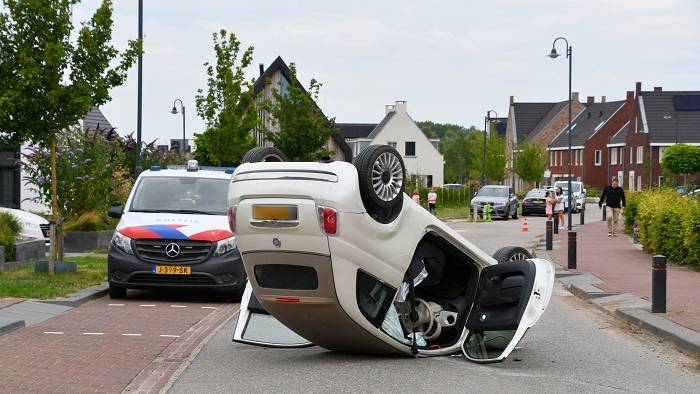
[(173, 232)]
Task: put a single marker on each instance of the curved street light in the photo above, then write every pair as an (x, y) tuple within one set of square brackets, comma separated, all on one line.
[(487, 119), (174, 112)]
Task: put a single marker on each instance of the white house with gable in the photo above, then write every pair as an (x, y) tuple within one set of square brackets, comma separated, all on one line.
[(398, 129)]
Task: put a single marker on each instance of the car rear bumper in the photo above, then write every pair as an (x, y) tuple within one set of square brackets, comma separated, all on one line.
[(225, 273)]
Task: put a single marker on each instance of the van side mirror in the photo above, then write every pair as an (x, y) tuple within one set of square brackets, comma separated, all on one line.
[(584, 190), (115, 211)]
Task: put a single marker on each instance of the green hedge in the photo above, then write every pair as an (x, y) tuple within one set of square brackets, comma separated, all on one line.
[(669, 224), (9, 230)]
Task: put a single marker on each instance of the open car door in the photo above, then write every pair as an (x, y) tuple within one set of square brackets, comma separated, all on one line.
[(510, 298), (257, 327)]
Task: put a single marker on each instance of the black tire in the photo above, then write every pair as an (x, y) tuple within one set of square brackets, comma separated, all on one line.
[(235, 296), (506, 214), (263, 153), (515, 213), (117, 293), (381, 175), (511, 253)]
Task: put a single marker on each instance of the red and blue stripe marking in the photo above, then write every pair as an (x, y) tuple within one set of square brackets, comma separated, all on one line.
[(170, 231)]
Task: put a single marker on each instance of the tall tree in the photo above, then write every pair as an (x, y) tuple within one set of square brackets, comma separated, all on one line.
[(681, 159), (530, 162), (228, 106), (50, 78), (300, 129)]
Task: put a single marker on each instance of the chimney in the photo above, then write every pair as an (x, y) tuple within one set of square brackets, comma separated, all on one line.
[(590, 100), (262, 68), (630, 96), (658, 89), (574, 96), (638, 88), (603, 99), (388, 108), (400, 106), (512, 98)]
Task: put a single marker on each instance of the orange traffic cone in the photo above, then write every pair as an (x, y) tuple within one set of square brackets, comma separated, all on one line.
[(524, 228)]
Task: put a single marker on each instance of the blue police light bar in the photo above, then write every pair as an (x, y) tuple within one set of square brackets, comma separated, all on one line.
[(228, 170), (155, 168)]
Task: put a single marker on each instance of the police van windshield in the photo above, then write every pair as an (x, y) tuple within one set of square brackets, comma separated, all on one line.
[(187, 195)]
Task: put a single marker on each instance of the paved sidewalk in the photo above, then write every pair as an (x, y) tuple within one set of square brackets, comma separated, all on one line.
[(624, 268)]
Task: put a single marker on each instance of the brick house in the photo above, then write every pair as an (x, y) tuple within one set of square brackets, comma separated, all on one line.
[(538, 123), (658, 120), (590, 135)]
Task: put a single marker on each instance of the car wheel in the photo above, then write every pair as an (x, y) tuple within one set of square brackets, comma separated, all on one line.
[(381, 176), (235, 295), (117, 292), (511, 253), (515, 213), (263, 153)]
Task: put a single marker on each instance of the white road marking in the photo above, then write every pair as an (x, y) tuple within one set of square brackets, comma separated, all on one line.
[(169, 336), (147, 305), (54, 332), (132, 335), (115, 304), (209, 307), (93, 333), (178, 306)]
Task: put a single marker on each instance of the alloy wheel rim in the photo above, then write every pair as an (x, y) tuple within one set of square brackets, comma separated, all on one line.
[(518, 257), (387, 176)]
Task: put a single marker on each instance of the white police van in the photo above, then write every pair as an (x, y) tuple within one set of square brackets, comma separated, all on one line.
[(174, 233)]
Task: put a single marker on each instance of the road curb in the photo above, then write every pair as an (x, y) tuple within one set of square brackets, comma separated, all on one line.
[(627, 307), (10, 325), (76, 299)]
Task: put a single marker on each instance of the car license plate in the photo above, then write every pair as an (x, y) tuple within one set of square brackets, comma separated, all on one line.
[(172, 270), (274, 212), (538, 201)]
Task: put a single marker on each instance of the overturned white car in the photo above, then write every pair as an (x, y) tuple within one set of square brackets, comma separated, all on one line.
[(338, 256)]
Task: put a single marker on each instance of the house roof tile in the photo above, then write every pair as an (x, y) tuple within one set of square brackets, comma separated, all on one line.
[(666, 123), (587, 123)]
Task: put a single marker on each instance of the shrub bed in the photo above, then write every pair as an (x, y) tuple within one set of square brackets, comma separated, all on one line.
[(9, 230), (669, 224)]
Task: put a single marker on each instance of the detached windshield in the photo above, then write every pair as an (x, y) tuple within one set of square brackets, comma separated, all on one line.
[(181, 195), (493, 192), (565, 185)]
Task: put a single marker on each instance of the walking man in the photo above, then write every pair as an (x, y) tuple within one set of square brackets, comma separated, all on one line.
[(614, 197)]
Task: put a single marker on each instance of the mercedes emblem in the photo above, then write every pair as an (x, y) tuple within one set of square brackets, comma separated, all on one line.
[(172, 250)]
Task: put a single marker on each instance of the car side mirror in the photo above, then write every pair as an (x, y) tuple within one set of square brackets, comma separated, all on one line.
[(584, 191), (115, 211)]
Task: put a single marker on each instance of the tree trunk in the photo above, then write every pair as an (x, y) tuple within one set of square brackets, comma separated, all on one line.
[(54, 207)]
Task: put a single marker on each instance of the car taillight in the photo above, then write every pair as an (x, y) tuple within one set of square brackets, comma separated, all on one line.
[(328, 218), (232, 218)]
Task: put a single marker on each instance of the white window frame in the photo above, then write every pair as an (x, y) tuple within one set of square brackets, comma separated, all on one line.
[(613, 156), (580, 160), (631, 155), (640, 154), (551, 157), (662, 149), (575, 157), (598, 158)]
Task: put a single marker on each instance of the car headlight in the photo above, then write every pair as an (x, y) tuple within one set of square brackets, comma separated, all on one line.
[(122, 242), (224, 246)]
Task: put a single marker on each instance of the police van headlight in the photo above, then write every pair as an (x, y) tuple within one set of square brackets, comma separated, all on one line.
[(225, 246), (122, 242)]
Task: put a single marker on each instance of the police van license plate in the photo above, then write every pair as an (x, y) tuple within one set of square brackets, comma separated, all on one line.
[(172, 269)]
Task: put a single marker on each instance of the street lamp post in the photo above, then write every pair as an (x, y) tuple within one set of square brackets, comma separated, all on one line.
[(139, 96), (553, 54), (174, 112), (487, 119)]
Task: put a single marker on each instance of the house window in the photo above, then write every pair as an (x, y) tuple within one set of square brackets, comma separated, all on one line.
[(613, 156), (631, 153), (662, 149), (392, 144), (640, 154), (551, 158), (410, 149), (575, 157), (598, 157), (580, 160)]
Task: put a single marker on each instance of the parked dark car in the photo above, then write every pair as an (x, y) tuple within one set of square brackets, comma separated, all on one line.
[(501, 198), (534, 202)]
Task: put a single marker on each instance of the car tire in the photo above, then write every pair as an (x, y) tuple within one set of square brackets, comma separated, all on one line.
[(263, 153), (515, 213), (511, 253), (381, 176), (235, 296), (117, 293)]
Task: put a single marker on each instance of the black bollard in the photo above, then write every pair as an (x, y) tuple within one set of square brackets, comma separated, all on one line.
[(658, 284), (605, 212), (583, 213), (556, 224), (572, 251), (548, 235)]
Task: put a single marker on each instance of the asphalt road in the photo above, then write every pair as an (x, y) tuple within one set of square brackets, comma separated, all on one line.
[(574, 348)]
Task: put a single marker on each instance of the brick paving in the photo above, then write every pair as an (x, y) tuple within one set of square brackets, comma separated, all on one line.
[(85, 349), (5, 302), (626, 269)]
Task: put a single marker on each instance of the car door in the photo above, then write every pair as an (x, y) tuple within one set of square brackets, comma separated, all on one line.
[(510, 298), (257, 327)]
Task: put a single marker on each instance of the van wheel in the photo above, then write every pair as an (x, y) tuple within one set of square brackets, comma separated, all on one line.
[(117, 292), (511, 253), (263, 153), (381, 175)]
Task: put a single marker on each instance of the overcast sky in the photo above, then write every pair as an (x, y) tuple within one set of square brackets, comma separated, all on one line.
[(452, 61)]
